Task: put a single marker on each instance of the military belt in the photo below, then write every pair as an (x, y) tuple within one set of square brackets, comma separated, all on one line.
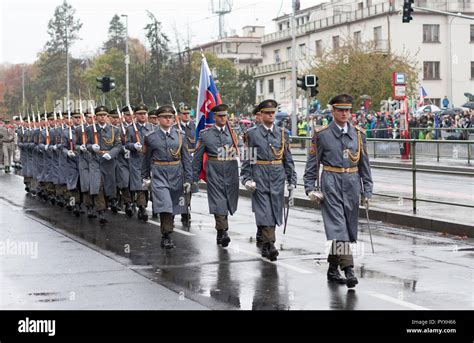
[(340, 169), (263, 162), (166, 163), (104, 151), (221, 159), (190, 150)]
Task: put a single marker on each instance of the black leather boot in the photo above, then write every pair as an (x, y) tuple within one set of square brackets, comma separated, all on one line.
[(142, 214), (334, 275), (269, 251), (351, 278), (114, 206), (77, 210), (128, 210), (222, 238), (166, 241), (258, 236), (102, 219)]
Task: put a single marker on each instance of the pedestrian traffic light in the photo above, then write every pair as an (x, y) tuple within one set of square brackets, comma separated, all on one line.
[(314, 89), (310, 80), (407, 10), (301, 82), (105, 83)]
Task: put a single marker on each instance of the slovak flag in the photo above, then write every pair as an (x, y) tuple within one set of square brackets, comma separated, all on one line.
[(208, 97), (423, 95)]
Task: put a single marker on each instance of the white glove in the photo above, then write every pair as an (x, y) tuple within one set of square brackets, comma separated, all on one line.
[(315, 196), (71, 154), (251, 186), (55, 147), (366, 201), (46, 147), (138, 146), (96, 147), (83, 148), (187, 187), (291, 188), (126, 154), (146, 183), (107, 156)]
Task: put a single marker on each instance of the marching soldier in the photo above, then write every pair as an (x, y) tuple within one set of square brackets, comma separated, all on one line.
[(123, 165), (341, 149), (83, 160), (48, 172), (222, 170), (70, 149), (104, 144), (266, 176), (168, 162), (60, 177), (189, 128), (8, 140), (154, 121), (135, 137)]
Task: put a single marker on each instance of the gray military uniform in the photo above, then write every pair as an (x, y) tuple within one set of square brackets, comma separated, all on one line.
[(340, 207), (222, 171), (273, 166), (168, 162)]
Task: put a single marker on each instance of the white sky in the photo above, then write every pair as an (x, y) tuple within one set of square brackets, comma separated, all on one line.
[(24, 22)]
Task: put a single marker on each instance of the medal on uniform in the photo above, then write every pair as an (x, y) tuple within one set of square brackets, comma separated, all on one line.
[(345, 154)]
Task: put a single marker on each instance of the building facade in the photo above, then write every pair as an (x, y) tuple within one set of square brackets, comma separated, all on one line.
[(245, 51), (441, 45)]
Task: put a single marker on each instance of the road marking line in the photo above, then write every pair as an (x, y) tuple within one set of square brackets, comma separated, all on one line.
[(283, 264), (397, 301)]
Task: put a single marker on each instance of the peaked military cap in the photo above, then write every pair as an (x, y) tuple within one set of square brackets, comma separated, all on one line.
[(75, 114), (50, 115), (141, 109), (152, 114), (113, 113), (220, 110), (165, 110), (268, 105), (101, 110), (185, 109), (342, 101), (125, 109), (6, 121)]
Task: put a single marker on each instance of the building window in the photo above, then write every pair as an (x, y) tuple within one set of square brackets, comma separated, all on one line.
[(260, 87), (357, 38), (436, 101), (335, 42), (472, 70), (431, 71), (282, 84), (472, 33), (360, 6), (430, 33), (280, 27), (319, 48), (270, 86), (276, 55), (377, 33), (302, 50), (288, 53)]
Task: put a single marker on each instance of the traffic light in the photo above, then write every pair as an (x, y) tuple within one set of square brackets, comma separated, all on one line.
[(301, 82), (407, 10), (314, 89), (105, 83), (310, 80)]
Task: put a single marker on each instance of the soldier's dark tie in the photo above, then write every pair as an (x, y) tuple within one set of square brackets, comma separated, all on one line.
[(167, 134)]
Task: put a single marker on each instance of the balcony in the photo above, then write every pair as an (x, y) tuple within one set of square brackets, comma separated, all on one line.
[(463, 6), (241, 57), (274, 68), (324, 23)]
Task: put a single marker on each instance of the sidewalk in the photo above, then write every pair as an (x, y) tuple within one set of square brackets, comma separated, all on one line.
[(84, 279)]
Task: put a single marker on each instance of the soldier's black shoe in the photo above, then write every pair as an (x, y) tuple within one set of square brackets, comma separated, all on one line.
[(27, 189), (269, 251), (91, 213), (334, 275), (102, 219), (77, 210), (154, 215), (351, 278), (258, 236), (166, 241), (7, 169), (114, 205), (52, 200), (128, 210), (222, 238), (142, 214)]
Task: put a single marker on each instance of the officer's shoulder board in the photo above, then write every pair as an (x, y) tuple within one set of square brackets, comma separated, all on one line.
[(361, 130), (321, 128)]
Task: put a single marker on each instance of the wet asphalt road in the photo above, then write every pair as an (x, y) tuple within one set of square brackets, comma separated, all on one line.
[(410, 269)]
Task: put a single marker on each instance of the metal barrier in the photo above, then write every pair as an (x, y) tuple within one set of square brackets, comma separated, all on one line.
[(414, 198)]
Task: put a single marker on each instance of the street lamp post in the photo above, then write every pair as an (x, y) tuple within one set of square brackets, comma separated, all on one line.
[(127, 61), (293, 70)]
